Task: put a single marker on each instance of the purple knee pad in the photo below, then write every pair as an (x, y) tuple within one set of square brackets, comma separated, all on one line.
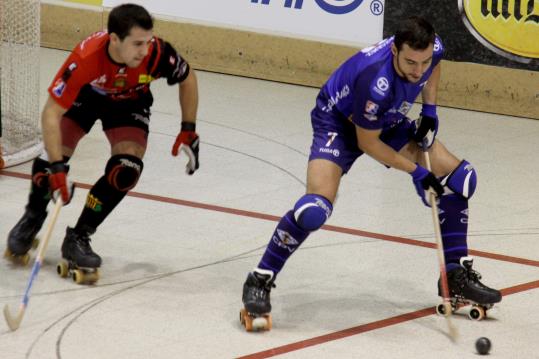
[(312, 211)]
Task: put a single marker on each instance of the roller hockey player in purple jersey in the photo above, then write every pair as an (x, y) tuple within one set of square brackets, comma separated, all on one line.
[(363, 108)]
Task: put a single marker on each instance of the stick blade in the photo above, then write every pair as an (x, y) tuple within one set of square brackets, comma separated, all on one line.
[(12, 323)]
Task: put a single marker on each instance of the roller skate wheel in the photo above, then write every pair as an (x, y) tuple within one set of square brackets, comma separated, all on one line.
[(444, 309), (62, 268), (7, 253), (78, 276), (260, 323), (91, 278), (476, 313), (35, 243), (24, 259), (246, 320)]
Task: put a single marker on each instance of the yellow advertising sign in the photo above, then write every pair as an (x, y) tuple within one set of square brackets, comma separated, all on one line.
[(508, 27), (87, 2)]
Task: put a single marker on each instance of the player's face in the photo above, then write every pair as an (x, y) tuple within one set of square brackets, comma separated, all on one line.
[(412, 64), (134, 47)]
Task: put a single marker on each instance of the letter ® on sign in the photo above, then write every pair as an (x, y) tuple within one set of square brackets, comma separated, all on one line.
[(508, 27)]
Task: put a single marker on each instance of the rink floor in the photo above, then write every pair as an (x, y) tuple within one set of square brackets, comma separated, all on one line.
[(177, 250)]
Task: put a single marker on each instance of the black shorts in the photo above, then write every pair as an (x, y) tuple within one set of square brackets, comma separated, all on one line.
[(90, 106)]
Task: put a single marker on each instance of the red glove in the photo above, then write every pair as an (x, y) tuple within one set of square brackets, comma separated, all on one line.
[(58, 181), (188, 141)]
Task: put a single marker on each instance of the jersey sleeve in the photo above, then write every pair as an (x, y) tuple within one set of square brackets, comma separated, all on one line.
[(68, 81), (171, 65), (438, 51), (368, 107)]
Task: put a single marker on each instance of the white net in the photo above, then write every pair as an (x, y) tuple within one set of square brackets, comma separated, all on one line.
[(19, 80)]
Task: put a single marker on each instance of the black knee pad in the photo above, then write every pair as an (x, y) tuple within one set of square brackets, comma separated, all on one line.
[(123, 171)]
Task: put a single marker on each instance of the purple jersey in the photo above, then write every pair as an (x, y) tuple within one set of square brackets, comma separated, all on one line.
[(367, 90)]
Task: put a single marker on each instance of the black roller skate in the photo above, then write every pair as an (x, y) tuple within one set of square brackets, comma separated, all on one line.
[(465, 288), (80, 261), (256, 300), (23, 236)]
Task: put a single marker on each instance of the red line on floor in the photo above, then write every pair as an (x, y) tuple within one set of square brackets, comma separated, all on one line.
[(268, 217), (368, 327)]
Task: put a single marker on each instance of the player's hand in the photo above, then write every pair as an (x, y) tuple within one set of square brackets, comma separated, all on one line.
[(426, 126), (60, 186), (425, 181), (188, 142)]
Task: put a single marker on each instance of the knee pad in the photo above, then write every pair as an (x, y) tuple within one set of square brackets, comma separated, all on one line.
[(462, 180), (312, 211), (123, 171)]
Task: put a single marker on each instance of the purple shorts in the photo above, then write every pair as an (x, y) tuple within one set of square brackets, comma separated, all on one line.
[(335, 140)]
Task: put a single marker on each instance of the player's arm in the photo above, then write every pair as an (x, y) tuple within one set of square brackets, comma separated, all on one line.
[(52, 138), (50, 122), (177, 70), (427, 124), (430, 91), (370, 143), (189, 97)]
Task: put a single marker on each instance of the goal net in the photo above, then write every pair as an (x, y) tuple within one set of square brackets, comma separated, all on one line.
[(20, 136)]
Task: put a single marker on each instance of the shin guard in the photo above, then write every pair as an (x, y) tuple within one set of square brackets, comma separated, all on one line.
[(287, 237)]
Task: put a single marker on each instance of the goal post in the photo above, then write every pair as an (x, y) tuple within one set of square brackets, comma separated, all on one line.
[(20, 134)]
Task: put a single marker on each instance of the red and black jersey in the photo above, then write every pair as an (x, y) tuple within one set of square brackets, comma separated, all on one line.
[(90, 64)]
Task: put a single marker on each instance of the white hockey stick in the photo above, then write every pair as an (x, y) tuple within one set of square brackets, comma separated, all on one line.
[(14, 322), (453, 333)]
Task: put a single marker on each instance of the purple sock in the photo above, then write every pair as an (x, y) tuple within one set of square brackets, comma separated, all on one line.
[(284, 241), (453, 215)]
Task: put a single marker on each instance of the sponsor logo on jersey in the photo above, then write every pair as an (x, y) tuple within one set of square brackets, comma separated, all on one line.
[(99, 81), (370, 117), (371, 50), (382, 85), (120, 82), (333, 151), (405, 107), (437, 45), (371, 107), (145, 79), (344, 92), (59, 88), (284, 240), (508, 27)]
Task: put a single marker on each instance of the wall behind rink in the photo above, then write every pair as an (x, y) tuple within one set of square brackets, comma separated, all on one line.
[(296, 58)]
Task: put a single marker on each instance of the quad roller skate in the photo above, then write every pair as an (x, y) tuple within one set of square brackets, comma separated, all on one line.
[(256, 300), (22, 237), (466, 289), (80, 262)]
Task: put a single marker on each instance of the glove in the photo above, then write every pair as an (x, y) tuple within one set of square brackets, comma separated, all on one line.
[(59, 183), (426, 126), (424, 181), (188, 141)]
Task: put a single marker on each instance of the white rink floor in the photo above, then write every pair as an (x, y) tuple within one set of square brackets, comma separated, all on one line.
[(177, 250)]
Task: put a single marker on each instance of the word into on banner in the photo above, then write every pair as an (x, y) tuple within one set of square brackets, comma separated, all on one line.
[(337, 7)]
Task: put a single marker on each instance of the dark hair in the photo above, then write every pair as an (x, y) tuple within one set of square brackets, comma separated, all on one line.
[(416, 32), (124, 17)]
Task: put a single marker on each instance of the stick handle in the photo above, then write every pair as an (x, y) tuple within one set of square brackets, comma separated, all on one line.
[(14, 322), (440, 251)]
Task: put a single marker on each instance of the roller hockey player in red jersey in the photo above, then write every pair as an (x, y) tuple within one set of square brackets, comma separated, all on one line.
[(106, 77)]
